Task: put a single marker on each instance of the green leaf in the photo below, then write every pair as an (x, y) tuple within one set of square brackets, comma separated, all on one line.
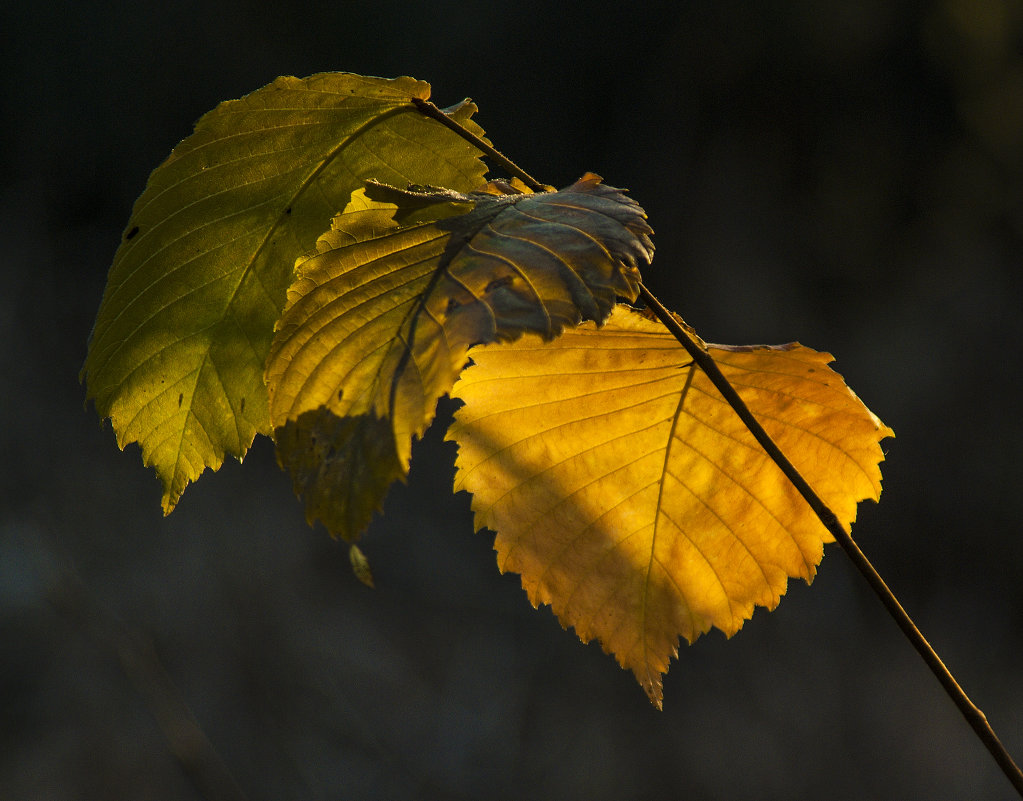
[(381, 317), (177, 354)]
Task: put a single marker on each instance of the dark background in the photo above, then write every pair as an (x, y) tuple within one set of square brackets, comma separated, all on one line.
[(844, 174)]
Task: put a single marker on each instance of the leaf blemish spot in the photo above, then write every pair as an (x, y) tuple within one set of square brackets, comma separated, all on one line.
[(497, 283)]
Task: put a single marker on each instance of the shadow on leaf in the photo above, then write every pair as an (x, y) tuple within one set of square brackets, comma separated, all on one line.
[(341, 467)]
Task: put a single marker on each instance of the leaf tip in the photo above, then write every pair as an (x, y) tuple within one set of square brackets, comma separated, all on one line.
[(653, 686), (360, 565)]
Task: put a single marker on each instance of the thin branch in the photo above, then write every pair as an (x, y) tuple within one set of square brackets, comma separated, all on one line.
[(974, 716), (509, 166)]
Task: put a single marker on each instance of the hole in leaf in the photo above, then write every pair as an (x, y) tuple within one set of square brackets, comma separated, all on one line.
[(497, 283)]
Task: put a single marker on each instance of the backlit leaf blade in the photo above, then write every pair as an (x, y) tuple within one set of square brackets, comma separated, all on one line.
[(631, 498), (380, 318), (177, 353)]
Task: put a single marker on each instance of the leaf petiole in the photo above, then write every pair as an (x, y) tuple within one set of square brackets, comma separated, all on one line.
[(431, 111)]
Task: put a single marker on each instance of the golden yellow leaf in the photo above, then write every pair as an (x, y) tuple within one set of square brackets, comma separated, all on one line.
[(380, 318), (632, 499)]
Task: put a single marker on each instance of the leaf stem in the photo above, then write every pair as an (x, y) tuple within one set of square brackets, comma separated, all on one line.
[(509, 166), (974, 716)]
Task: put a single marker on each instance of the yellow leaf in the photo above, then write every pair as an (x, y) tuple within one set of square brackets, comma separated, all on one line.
[(380, 318), (632, 499)]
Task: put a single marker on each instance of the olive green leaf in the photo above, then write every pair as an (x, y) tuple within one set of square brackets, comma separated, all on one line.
[(177, 354), (380, 318)]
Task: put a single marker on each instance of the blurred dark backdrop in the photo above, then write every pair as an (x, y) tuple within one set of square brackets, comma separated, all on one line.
[(845, 174)]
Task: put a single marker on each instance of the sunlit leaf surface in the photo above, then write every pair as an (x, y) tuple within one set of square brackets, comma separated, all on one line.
[(632, 499), (380, 318), (177, 353)]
